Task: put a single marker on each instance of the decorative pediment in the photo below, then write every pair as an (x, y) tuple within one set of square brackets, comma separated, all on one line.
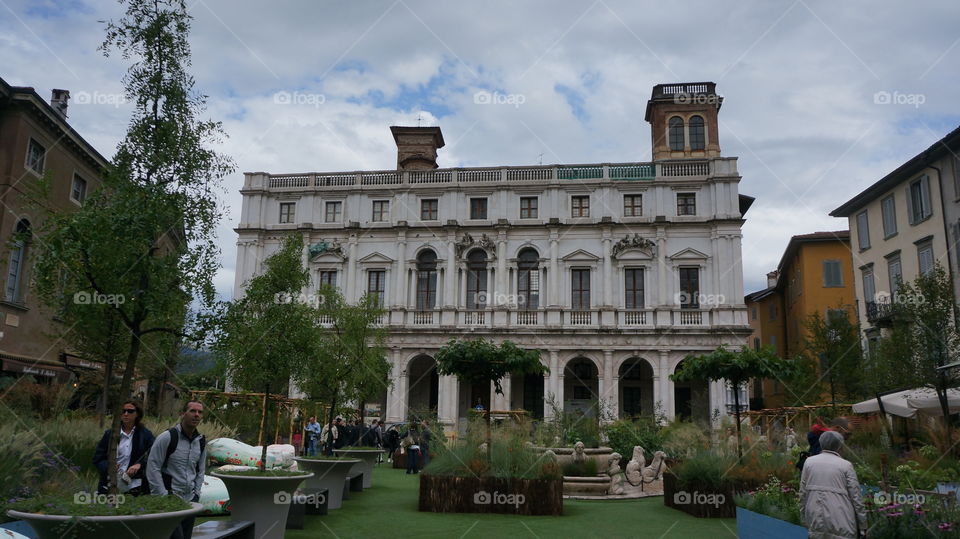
[(465, 243), (634, 243), (580, 256), (688, 254), (326, 250), (376, 258)]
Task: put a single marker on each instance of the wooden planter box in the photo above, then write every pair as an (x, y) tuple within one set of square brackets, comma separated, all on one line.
[(698, 500), (752, 525), (451, 494)]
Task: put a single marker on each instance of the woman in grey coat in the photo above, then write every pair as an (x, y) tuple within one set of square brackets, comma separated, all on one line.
[(830, 493)]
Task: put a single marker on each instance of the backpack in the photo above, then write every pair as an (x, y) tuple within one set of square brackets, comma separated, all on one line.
[(171, 448)]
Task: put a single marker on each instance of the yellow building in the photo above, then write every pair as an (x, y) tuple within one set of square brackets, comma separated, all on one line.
[(815, 275)]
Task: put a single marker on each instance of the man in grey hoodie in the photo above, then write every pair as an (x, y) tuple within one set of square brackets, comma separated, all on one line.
[(176, 465)]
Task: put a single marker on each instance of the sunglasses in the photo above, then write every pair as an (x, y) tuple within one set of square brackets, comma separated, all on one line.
[(129, 410)]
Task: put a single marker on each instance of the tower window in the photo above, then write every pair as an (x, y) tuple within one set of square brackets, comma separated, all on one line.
[(676, 133), (697, 135)]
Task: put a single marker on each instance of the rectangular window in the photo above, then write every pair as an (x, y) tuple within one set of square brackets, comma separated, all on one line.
[(888, 209), (426, 289), (869, 287), (528, 207), (686, 203), (773, 341), (580, 206), (429, 209), (478, 208), (832, 274), (381, 211), (78, 191), (918, 200), (580, 288), (863, 230), (925, 254), (36, 155), (895, 273), (633, 288), (376, 284), (334, 211), (689, 288), (328, 278), (772, 311), (753, 313), (287, 212), (632, 205)]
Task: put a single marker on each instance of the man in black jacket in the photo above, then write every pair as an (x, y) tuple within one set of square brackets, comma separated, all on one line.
[(132, 452)]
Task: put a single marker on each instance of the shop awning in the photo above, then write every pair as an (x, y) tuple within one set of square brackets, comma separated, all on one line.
[(40, 370)]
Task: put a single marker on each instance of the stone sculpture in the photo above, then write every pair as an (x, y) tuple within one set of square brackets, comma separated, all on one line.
[(579, 454), (616, 476), (655, 470), (636, 242), (636, 465)]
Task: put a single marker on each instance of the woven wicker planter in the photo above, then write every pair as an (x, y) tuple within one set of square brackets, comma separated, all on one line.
[(451, 494)]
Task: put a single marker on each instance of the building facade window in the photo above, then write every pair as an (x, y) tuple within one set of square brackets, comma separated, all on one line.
[(863, 231), (756, 343), (633, 288), (478, 208), (16, 261), (698, 139), (429, 209), (888, 208), (381, 211), (832, 274), (426, 280), (328, 278), (895, 273), (925, 256), (78, 190), (689, 288), (334, 210), (477, 279), (632, 205), (376, 285), (528, 279), (288, 212), (36, 155), (580, 206), (869, 287), (686, 203), (918, 200), (580, 289), (675, 130), (771, 311), (528, 207), (753, 313)]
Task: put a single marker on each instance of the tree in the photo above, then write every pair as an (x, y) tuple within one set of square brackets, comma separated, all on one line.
[(835, 341), (481, 361), (268, 332), (141, 248), (736, 368), (350, 363)]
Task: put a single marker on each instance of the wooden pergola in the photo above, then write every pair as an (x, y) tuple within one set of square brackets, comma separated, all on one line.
[(217, 398), (798, 417)]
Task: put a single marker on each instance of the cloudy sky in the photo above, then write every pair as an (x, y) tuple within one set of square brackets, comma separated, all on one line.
[(314, 85)]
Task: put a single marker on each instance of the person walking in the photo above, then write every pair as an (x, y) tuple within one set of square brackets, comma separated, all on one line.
[(330, 435), (178, 461), (830, 493), (813, 437), (393, 442), (411, 442), (313, 434), (132, 452)]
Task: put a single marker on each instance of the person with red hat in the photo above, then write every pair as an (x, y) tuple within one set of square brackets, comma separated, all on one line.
[(813, 437)]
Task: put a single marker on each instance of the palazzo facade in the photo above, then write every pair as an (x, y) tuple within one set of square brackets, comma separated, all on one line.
[(614, 271)]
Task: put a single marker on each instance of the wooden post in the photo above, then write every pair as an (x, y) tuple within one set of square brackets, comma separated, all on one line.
[(263, 420), (276, 432)]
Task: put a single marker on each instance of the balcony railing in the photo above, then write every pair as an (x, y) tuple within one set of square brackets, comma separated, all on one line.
[(527, 318), (633, 318), (686, 317), (423, 318), (580, 318), (474, 318), (602, 172), (879, 312)]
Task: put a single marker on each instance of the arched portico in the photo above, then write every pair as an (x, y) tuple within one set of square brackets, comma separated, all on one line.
[(635, 391)]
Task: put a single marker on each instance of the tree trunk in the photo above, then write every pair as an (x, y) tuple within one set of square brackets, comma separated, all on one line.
[(125, 385), (104, 403), (736, 413), (333, 408), (263, 447)]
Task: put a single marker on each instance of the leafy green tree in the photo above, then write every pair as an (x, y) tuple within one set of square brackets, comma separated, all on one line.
[(734, 367), (835, 342), (141, 248), (269, 331), (350, 363), (481, 361)]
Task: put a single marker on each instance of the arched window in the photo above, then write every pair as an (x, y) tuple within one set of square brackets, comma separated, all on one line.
[(698, 140), (676, 133), (426, 280), (18, 257), (477, 279), (528, 279)]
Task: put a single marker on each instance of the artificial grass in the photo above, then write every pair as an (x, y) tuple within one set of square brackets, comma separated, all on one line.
[(389, 509)]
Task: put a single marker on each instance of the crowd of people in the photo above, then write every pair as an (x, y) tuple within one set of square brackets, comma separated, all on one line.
[(414, 438)]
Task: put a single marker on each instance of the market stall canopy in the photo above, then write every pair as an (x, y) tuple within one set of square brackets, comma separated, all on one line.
[(908, 402)]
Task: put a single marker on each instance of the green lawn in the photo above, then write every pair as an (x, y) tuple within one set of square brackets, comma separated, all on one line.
[(389, 509)]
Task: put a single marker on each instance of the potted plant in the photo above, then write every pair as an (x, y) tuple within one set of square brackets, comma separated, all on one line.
[(329, 473), (367, 457)]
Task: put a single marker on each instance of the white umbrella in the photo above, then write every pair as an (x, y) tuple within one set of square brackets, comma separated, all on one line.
[(908, 402)]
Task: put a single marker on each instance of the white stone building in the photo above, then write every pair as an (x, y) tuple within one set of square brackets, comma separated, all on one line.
[(615, 272)]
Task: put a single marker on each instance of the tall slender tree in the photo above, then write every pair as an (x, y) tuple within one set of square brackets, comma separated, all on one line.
[(141, 248)]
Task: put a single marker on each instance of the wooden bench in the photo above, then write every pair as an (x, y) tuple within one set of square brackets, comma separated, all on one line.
[(353, 483), (224, 529)]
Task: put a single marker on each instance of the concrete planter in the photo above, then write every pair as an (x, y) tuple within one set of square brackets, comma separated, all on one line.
[(259, 499), (368, 457), (327, 474), (752, 525), (149, 526)]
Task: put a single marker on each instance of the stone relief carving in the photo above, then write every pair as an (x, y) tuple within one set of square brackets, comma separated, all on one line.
[(635, 242), (324, 246), (485, 243)]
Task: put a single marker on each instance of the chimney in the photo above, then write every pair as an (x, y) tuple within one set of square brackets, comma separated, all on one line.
[(58, 100), (417, 147), (772, 278)]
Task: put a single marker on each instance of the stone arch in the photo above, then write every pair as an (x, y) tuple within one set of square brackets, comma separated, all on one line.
[(691, 400), (423, 384), (635, 387), (581, 384)]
